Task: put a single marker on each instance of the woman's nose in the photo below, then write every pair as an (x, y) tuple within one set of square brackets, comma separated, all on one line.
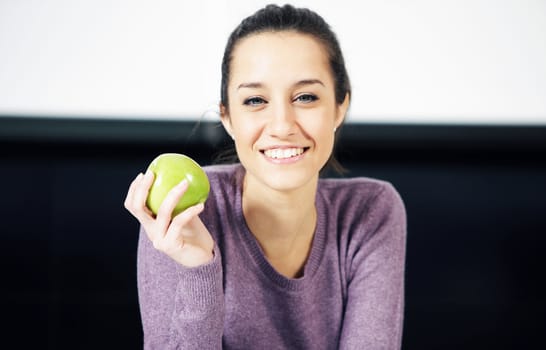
[(282, 121)]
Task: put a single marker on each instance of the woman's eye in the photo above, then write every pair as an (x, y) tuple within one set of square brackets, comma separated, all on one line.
[(254, 101), (306, 98)]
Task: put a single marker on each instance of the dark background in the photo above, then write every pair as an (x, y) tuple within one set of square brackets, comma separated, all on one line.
[(475, 197)]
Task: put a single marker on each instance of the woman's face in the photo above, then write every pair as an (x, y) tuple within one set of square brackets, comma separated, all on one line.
[(282, 109)]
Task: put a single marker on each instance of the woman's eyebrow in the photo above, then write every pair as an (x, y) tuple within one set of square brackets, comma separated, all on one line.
[(250, 85), (308, 82), (256, 85)]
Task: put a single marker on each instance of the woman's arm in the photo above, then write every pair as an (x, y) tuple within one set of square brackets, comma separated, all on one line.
[(181, 307), (179, 273), (375, 296)]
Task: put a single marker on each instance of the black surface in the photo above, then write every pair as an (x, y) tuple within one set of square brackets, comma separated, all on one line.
[(475, 197)]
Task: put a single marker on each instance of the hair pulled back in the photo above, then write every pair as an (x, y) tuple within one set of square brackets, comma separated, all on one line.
[(288, 18)]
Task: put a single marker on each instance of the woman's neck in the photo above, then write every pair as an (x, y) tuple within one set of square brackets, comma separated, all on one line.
[(283, 223)]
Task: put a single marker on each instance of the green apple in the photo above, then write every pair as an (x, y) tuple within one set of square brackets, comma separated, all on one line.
[(169, 170)]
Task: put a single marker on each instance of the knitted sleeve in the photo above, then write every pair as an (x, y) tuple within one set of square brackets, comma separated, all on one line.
[(181, 308), (373, 316)]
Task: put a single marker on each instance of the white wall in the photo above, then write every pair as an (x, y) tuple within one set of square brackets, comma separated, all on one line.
[(410, 61)]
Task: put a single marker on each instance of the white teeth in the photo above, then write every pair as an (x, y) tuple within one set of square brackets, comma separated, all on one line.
[(278, 153)]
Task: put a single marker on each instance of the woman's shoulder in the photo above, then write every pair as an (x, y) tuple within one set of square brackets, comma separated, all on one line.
[(356, 187), (363, 208), (215, 169), (360, 193), (225, 182), (222, 172)]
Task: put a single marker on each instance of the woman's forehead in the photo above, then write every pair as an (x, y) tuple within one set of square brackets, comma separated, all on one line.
[(273, 55)]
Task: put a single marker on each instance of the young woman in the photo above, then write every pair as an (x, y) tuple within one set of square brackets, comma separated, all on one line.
[(277, 258)]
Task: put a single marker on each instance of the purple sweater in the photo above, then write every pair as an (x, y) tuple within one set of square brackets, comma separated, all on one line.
[(351, 295)]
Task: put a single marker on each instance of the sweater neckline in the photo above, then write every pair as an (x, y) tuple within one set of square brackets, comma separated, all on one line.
[(256, 252)]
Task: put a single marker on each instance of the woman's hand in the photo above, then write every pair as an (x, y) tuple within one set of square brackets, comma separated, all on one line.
[(184, 238)]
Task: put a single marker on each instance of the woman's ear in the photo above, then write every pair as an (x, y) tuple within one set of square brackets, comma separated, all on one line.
[(226, 120), (342, 110)]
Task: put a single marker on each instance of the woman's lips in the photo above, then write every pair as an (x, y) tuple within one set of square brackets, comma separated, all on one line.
[(282, 154)]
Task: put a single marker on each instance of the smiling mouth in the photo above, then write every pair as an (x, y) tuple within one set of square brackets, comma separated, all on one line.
[(284, 153)]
